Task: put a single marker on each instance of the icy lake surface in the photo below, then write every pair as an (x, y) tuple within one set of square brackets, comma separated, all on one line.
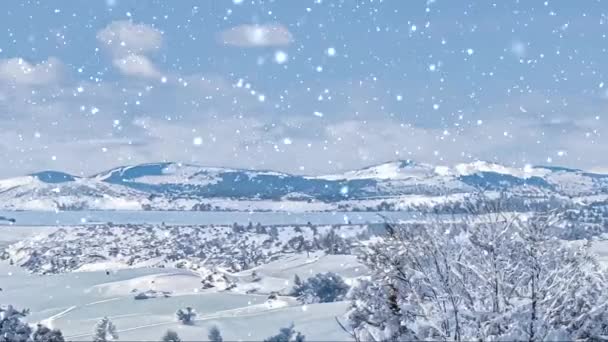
[(45, 218)]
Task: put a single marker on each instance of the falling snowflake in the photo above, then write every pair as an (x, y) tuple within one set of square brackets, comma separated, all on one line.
[(280, 57)]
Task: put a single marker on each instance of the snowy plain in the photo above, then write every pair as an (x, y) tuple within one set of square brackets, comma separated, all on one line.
[(74, 302)]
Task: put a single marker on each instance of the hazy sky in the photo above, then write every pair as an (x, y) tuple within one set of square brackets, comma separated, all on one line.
[(304, 86)]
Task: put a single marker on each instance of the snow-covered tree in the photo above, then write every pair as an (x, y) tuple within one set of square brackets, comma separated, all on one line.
[(297, 284), (12, 329), (320, 288), (288, 334), (186, 316), (45, 334), (479, 278), (274, 232), (171, 336), (333, 243), (104, 331), (215, 335), (562, 289)]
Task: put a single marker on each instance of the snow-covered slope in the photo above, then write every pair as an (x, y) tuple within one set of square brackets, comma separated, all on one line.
[(394, 170), (177, 186)]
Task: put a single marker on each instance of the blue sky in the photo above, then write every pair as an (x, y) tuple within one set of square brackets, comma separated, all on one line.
[(302, 86)]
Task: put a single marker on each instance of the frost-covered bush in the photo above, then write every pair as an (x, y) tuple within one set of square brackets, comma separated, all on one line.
[(11, 326), (501, 278), (13, 329), (45, 334), (321, 288), (288, 334)]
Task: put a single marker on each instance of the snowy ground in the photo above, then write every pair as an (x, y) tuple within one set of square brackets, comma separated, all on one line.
[(74, 302)]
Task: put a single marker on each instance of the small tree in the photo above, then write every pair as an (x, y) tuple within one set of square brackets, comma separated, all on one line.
[(171, 336), (104, 331), (274, 232), (321, 288), (186, 316), (335, 244), (288, 334), (45, 334), (297, 285), (215, 335)]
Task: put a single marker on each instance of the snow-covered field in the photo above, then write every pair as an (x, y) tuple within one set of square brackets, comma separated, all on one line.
[(52, 218), (74, 302), (258, 304)]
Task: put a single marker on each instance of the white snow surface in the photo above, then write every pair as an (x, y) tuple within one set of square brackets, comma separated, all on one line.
[(74, 302), (482, 166), (9, 183), (403, 170), (392, 170)]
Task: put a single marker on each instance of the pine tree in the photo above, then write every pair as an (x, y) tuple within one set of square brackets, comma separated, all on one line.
[(288, 334), (215, 335), (297, 285), (274, 232), (171, 336), (104, 331), (186, 316)]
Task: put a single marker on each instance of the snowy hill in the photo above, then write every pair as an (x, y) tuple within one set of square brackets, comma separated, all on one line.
[(399, 184)]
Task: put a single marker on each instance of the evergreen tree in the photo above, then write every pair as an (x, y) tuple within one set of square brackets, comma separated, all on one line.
[(274, 232), (215, 335), (171, 336), (104, 331), (288, 334), (186, 316), (297, 285)]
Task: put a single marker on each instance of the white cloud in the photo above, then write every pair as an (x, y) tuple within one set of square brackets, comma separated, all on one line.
[(137, 65), (20, 71), (256, 35), (129, 43), (124, 38)]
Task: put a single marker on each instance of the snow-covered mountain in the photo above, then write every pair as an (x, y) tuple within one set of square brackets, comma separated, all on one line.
[(178, 186)]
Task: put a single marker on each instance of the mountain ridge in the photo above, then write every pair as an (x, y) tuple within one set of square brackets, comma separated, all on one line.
[(185, 186), (403, 164)]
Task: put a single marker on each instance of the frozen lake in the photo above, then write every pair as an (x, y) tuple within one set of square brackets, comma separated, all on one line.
[(46, 218)]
